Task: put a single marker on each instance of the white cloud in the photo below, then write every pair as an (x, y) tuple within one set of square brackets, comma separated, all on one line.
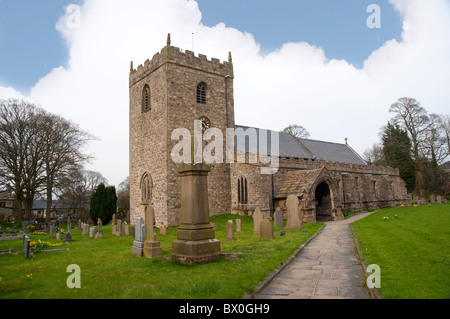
[(296, 84)]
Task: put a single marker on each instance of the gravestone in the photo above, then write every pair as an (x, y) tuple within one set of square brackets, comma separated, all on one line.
[(439, 199), (163, 231), (126, 229), (28, 252), (278, 216), (119, 228), (84, 229), (266, 230), (433, 199), (99, 224), (58, 236), (257, 218), (238, 225), (229, 228), (113, 223), (79, 223), (68, 236), (52, 230), (152, 248), (139, 237), (293, 217), (92, 232)]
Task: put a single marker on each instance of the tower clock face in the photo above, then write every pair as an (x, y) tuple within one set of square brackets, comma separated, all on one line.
[(205, 122)]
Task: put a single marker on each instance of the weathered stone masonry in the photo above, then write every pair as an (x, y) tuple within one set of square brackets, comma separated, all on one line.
[(163, 97)]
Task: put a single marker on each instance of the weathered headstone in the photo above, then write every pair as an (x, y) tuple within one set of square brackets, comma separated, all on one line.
[(126, 229), (152, 248), (58, 236), (28, 252), (266, 230), (163, 231), (238, 225), (139, 237), (278, 216), (113, 223), (84, 229), (229, 228), (257, 218), (433, 199), (99, 224), (439, 199), (293, 217), (52, 230), (92, 232), (119, 228), (68, 236)]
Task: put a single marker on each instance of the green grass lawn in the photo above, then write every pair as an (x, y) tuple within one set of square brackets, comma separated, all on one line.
[(110, 270), (412, 250)]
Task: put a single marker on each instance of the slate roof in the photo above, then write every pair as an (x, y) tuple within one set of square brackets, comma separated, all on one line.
[(297, 182), (309, 149)]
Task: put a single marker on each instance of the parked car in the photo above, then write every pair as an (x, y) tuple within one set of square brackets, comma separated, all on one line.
[(64, 218), (29, 221)]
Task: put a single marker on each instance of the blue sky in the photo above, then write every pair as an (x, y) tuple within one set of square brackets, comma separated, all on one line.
[(32, 47), (314, 63), (337, 26)]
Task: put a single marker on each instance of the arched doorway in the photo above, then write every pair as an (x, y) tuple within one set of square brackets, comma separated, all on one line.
[(324, 204)]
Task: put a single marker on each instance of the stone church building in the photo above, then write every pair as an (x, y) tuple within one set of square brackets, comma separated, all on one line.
[(174, 89)]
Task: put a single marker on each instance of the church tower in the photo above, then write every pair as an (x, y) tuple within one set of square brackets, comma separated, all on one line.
[(168, 92)]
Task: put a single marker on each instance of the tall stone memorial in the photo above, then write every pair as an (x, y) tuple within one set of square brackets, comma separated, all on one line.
[(196, 240), (293, 216)]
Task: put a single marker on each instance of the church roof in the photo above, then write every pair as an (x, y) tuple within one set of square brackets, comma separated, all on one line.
[(310, 149), (298, 182)]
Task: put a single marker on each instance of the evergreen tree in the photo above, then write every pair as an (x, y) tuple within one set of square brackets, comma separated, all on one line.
[(103, 203), (397, 153)]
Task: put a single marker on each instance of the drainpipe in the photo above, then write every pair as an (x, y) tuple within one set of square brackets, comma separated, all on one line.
[(343, 188)]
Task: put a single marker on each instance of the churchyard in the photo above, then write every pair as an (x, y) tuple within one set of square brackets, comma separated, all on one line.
[(109, 269), (412, 247)]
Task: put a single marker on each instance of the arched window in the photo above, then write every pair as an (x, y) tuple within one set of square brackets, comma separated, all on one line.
[(146, 98), (201, 93), (146, 188), (242, 190)]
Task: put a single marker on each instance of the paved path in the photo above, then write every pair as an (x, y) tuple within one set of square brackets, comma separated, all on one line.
[(327, 267)]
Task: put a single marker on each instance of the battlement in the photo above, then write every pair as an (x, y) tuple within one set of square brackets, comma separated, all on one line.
[(171, 54), (291, 162)]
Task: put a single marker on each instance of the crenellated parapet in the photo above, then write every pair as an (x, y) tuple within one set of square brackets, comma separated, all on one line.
[(171, 54)]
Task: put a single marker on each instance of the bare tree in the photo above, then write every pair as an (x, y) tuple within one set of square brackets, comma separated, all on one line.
[(123, 197), (413, 118), (64, 142), (435, 140), (20, 152), (76, 189), (374, 154), (36, 150), (445, 126), (297, 131)]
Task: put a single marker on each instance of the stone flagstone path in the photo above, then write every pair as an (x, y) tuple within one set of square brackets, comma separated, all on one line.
[(326, 268)]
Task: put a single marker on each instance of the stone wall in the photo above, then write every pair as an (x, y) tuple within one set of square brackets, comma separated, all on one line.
[(173, 77)]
